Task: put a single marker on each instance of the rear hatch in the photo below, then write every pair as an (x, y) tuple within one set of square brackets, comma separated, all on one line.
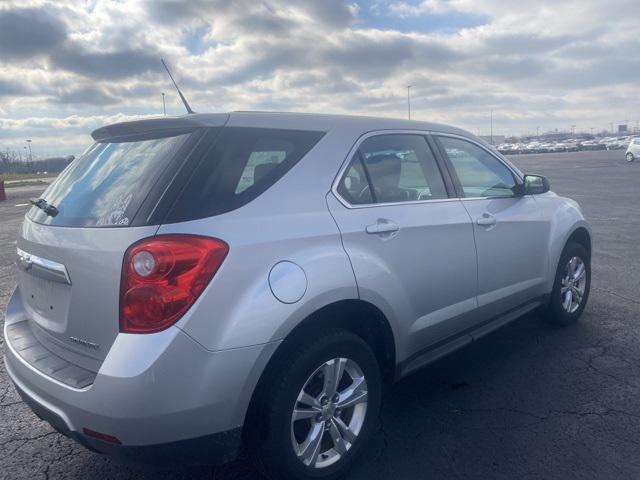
[(70, 258), (131, 181)]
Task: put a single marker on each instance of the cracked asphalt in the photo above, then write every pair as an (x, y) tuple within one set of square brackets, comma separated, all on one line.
[(529, 401)]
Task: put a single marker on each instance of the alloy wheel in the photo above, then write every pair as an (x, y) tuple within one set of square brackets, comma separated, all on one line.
[(574, 283), (329, 413)]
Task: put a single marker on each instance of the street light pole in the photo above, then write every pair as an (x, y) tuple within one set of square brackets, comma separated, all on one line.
[(30, 156), (30, 161), (491, 122), (409, 101), (164, 106)]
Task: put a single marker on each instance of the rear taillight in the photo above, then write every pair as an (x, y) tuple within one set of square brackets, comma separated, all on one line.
[(163, 276)]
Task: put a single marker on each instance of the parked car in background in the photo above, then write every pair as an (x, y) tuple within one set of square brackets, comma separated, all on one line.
[(608, 143), (633, 150), (570, 146), (591, 145), (615, 143), (192, 284)]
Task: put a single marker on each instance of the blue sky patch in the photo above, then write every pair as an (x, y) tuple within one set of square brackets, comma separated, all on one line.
[(376, 14), (194, 41)]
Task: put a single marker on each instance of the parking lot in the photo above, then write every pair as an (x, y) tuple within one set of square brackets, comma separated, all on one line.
[(530, 401)]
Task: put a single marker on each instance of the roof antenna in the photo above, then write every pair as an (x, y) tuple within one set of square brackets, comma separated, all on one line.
[(184, 100)]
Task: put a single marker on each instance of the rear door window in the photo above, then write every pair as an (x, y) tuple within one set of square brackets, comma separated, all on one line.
[(354, 186), (401, 168), (241, 164), (106, 185)]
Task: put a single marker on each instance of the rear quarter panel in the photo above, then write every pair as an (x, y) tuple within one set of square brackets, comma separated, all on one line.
[(288, 222), (238, 308)]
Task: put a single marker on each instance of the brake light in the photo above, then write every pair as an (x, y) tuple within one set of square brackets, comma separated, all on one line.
[(163, 276)]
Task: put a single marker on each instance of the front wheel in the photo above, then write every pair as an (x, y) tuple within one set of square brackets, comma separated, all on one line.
[(571, 286), (320, 413), (630, 157)]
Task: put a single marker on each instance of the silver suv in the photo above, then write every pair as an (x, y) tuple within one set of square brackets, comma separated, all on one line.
[(190, 285)]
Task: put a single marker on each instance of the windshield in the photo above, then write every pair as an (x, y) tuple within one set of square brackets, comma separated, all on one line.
[(108, 183)]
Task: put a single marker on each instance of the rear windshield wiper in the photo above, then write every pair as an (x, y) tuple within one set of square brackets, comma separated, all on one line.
[(42, 204)]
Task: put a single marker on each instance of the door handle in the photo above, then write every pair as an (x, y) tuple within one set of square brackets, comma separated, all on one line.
[(486, 220), (383, 226)]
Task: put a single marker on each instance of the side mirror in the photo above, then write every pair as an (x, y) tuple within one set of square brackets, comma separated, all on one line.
[(535, 185)]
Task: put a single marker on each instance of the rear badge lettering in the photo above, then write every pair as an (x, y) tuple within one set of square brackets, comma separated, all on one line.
[(85, 343)]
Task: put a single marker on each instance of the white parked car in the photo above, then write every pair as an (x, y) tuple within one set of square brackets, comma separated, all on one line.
[(633, 150)]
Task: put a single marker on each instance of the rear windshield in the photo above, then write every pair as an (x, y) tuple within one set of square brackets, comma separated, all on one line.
[(241, 164), (107, 184)]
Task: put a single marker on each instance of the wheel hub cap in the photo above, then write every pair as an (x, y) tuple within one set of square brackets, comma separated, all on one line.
[(329, 413)]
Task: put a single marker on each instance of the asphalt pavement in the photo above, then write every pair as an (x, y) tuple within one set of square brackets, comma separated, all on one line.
[(530, 401)]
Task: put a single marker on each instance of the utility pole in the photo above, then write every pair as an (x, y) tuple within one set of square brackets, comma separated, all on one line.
[(29, 143), (491, 122), (30, 162), (409, 101), (164, 106)]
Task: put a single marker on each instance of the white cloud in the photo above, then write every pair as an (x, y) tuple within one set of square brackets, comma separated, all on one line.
[(552, 64)]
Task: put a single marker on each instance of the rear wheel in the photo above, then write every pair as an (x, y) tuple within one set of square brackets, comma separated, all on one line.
[(630, 157), (318, 415), (571, 286)]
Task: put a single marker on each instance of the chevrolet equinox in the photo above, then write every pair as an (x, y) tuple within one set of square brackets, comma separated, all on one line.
[(192, 285)]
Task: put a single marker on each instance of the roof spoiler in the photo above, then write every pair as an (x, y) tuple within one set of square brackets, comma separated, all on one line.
[(170, 125)]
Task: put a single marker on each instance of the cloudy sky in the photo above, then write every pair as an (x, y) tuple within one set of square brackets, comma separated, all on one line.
[(69, 66)]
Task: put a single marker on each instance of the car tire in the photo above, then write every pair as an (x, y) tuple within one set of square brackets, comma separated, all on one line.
[(280, 439), (630, 157), (570, 290)]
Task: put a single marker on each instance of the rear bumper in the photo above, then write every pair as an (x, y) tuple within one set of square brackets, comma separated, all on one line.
[(211, 449), (155, 394)]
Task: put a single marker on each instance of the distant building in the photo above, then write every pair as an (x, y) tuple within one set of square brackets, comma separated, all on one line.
[(495, 140)]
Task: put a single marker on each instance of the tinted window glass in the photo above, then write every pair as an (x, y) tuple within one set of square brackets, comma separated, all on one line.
[(241, 164), (260, 163), (402, 168), (107, 184), (354, 187), (480, 173)]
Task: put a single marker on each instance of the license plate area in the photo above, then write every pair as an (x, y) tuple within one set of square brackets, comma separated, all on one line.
[(46, 301)]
